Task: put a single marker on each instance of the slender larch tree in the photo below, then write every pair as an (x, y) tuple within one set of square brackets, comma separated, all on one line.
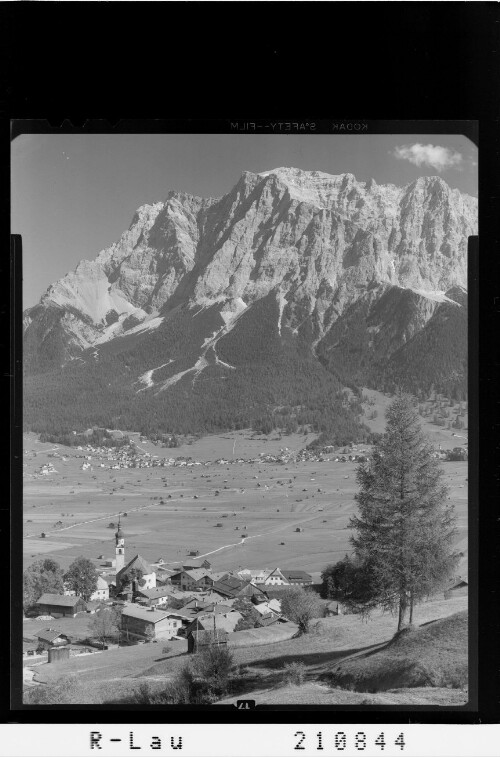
[(406, 524)]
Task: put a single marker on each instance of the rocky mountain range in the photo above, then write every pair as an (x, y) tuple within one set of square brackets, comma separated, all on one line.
[(293, 284)]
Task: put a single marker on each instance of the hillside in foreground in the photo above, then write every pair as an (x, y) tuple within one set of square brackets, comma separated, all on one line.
[(433, 654), (87, 680)]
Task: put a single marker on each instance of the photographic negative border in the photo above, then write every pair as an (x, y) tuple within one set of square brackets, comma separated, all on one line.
[(309, 713)]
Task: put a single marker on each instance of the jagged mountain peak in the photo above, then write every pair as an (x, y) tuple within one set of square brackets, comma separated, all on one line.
[(321, 241)]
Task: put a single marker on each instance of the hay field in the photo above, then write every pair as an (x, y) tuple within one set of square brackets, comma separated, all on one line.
[(316, 496)]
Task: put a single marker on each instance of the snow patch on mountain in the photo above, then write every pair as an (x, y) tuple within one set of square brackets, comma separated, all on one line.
[(177, 377), (149, 324), (232, 310), (147, 378), (282, 304), (435, 296)]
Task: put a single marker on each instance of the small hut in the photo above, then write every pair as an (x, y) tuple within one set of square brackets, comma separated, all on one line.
[(199, 640)]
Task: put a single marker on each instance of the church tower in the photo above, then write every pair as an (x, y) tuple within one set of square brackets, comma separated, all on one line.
[(120, 548)]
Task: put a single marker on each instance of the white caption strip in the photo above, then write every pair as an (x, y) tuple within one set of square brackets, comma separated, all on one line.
[(246, 740)]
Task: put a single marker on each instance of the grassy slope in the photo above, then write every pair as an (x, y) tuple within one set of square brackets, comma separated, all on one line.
[(319, 694), (434, 654)]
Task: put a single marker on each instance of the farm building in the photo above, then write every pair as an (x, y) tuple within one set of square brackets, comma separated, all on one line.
[(458, 589), (232, 587), (269, 609), (58, 654), (297, 577), (59, 605), (210, 622), (141, 623), (198, 639), (49, 638)]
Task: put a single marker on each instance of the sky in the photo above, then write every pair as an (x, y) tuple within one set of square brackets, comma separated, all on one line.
[(74, 194)]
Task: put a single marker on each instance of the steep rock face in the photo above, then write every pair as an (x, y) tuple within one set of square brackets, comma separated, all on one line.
[(435, 356), (322, 244)]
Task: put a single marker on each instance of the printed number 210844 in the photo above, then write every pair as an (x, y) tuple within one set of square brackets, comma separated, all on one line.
[(341, 741)]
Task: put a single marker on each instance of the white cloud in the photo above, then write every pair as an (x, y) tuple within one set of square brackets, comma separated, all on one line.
[(435, 156)]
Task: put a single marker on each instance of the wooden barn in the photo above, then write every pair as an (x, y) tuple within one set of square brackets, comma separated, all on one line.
[(200, 639), (60, 606)]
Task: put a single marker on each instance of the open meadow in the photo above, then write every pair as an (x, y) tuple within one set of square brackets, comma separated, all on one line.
[(172, 510)]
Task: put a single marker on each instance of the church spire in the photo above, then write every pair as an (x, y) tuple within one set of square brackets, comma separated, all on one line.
[(120, 547)]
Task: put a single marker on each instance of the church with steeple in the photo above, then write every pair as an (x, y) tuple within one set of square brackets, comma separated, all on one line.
[(120, 548), (134, 574)]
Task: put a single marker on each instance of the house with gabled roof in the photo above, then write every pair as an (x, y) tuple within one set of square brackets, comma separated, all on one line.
[(232, 587), (214, 598), (101, 593), (268, 609), (155, 597), (50, 638), (298, 577), (192, 580), (148, 623), (264, 577), (215, 623)]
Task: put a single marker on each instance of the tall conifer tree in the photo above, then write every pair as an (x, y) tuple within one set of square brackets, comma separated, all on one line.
[(406, 524)]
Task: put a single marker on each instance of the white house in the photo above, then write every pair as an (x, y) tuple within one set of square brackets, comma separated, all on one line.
[(102, 591), (266, 577)]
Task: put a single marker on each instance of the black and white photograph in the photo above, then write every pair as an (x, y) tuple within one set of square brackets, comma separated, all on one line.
[(245, 416)]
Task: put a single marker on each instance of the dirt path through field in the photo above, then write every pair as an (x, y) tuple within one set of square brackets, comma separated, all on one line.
[(92, 520), (256, 536)]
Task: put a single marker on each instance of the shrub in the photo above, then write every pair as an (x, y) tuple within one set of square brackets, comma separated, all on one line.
[(294, 673), (214, 664), (457, 678), (300, 606), (185, 688)]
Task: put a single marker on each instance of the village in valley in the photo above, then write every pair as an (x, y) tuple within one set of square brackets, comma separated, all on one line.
[(193, 546)]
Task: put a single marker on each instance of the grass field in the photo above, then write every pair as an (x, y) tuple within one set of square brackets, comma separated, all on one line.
[(265, 500), (434, 654)]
